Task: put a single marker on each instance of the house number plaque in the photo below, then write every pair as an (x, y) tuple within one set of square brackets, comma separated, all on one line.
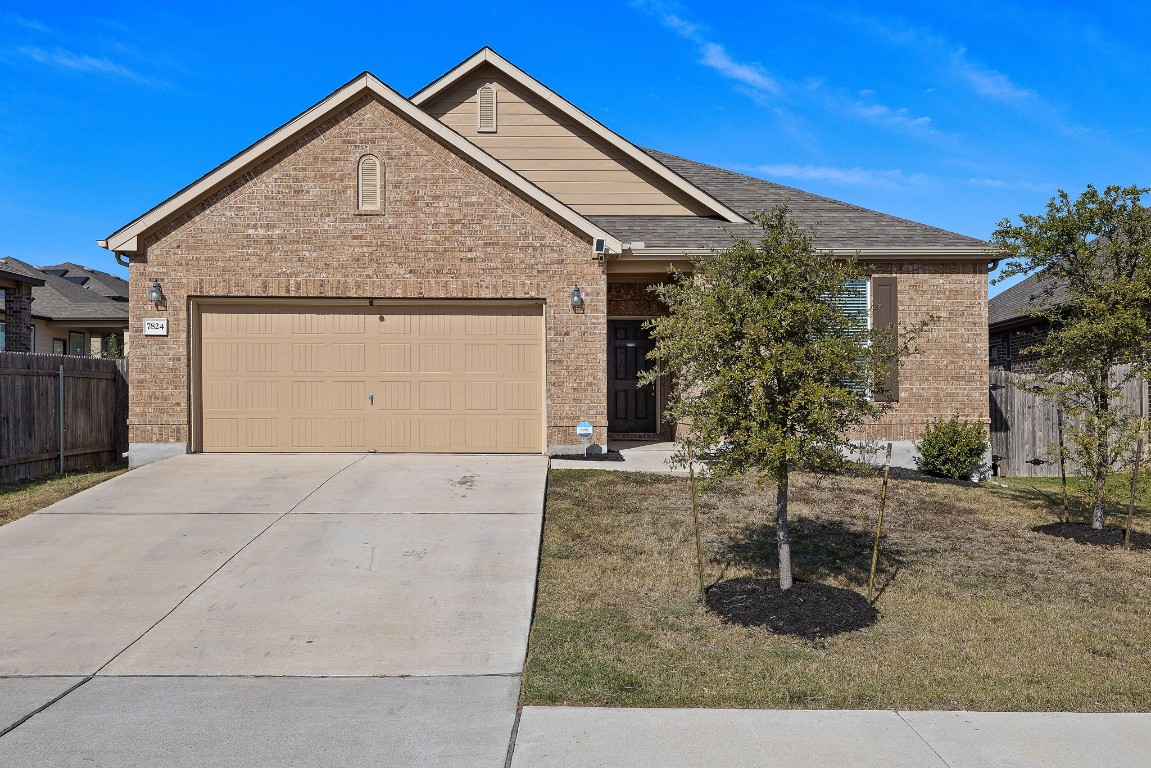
[(155, 326)]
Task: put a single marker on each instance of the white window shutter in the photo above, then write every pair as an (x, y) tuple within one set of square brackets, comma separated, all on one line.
[(486, 109), (369, 182)]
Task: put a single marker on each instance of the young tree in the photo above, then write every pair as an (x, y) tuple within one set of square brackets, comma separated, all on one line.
[(1098, 248), (769, 369)]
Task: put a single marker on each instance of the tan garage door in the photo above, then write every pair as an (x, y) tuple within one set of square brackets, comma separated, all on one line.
[(437, 378)]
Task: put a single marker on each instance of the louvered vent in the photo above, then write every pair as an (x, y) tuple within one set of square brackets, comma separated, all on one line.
[(369, 183), (486, 109)]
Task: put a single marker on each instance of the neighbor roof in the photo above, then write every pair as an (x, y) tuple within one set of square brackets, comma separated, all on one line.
[(62, 300), (106, 285), (838, 226), (126, 239), (1020, 300)]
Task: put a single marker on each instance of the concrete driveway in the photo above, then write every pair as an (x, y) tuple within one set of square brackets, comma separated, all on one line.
[(283, 610)]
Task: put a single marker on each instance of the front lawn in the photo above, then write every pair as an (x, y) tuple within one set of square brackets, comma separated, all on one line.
[(977, 610), (26, 496)]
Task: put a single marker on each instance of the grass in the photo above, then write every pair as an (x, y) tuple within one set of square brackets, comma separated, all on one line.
[(27, 496), (977, 610)]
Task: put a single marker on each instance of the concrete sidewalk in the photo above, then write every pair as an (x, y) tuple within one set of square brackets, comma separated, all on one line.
[(576, 737)]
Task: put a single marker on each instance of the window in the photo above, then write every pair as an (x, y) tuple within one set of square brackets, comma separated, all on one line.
[(3, 338), (59, 347), (856, 301), (486, 109), (76, 344), (369, 183)]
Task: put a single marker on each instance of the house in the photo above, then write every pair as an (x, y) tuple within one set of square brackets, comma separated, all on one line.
[(1012, 327), (71, 310), (466, 270)]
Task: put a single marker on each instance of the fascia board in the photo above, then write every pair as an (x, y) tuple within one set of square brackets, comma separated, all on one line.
[(585, 120), (125, 240)]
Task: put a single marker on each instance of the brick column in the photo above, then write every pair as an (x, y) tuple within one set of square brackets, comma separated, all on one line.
[(18, 318)]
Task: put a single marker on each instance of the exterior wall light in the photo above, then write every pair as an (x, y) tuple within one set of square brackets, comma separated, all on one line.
[(577, 299), (156, 293)]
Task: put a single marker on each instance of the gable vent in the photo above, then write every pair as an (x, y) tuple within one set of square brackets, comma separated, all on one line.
[(369, 179), (486, 109)]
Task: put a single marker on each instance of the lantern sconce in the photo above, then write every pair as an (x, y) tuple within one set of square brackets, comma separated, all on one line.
[(156, 293), (577, 299)]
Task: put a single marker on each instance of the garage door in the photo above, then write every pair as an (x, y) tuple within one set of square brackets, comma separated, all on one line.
[(437, 378)]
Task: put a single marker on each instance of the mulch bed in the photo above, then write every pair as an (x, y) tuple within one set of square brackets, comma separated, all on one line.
[(1085, 534), (809, 609), (607, 456)]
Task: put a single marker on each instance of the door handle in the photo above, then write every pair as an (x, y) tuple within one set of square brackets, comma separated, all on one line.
[(371, 399)]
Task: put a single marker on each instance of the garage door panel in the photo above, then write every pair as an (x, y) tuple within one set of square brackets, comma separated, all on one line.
[(389, 378)]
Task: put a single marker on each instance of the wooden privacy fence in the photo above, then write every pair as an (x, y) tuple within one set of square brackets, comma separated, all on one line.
[(1025, 426), (60, 413)]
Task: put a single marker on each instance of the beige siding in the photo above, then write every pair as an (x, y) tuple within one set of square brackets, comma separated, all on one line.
[(560, 156)]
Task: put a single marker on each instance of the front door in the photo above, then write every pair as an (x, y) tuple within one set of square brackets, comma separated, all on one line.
[(631, 408)]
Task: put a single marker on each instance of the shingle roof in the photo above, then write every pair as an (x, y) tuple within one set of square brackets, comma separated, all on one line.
[(835, 224), (60, 299), (107, 285), (1017, 302)]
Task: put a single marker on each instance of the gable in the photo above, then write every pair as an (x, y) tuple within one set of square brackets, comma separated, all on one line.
[(555, 151), (127, 239)]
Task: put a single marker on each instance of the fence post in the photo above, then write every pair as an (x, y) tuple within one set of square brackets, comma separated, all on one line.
[(60, 414)]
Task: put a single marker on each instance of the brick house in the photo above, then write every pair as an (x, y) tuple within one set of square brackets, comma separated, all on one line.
[(466, 270), (1012, 329), (74, 310)]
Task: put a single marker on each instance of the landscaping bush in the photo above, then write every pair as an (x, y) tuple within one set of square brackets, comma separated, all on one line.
[(952, 447)]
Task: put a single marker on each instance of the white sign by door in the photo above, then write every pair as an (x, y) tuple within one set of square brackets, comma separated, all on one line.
[(155, 326)]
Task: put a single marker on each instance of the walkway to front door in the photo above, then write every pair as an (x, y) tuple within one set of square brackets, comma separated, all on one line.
[(631, 409)]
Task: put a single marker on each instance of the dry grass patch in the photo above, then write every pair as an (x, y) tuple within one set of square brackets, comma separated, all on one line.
[(977, 610), (27, 496)]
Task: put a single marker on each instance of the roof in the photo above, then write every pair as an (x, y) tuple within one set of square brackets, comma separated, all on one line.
[(837, 225), (62, 300), (20, 278), (107, 285), (126, 239), (1020, 300), (489, 57)]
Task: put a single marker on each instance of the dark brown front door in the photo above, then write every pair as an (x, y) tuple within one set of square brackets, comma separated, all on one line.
[(630, 408)]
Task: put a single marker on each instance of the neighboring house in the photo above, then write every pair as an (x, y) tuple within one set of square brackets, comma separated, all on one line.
[(466, 270), (71, 312), (1012, 328)]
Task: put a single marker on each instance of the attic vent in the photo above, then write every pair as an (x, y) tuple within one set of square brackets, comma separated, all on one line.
[(486, 109), (369, 182)]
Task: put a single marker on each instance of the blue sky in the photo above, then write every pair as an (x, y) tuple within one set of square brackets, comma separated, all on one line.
[(952, 114)]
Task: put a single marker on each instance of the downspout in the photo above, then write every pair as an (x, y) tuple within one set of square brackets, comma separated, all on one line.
[(121, 259)]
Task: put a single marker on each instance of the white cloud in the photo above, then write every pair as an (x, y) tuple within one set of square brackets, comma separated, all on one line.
[(1016, 184), (879, 113), (993, 84), (77, 62), (855, 176), (754, 75)]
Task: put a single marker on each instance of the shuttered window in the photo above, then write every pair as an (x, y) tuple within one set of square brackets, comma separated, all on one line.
[(369, 183), (486, 109), (854, 301)]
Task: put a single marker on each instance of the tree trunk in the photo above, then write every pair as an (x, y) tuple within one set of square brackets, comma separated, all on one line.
[(782, 536), (1102, 446), (1099, 497)]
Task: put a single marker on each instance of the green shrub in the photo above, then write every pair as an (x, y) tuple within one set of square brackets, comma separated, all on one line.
[(952, 447)]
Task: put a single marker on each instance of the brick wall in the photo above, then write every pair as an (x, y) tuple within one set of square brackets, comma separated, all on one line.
[(289, 228), (1011, 350), (18, 318), (949, 375)]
